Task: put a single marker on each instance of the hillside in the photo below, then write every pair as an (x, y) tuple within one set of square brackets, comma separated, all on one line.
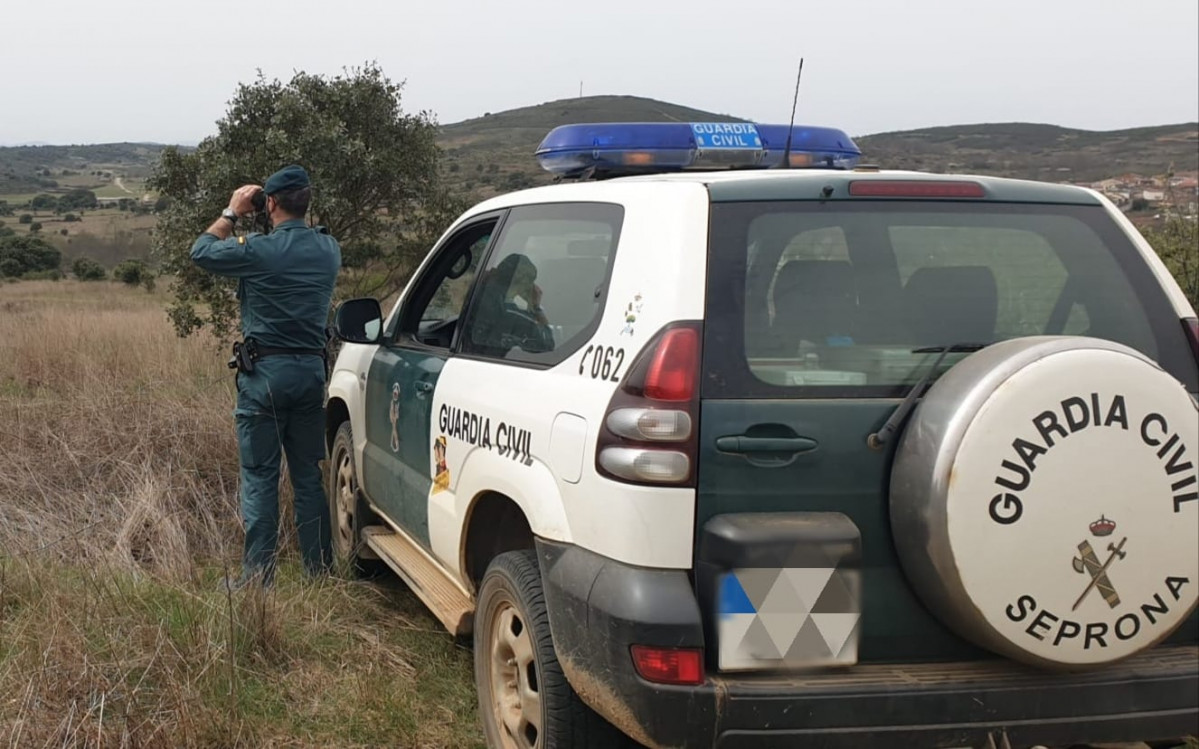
[(494, 153), (30, 169), (1032, 151)]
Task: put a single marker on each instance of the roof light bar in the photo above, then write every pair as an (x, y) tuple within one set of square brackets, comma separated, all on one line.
[(651, 147)]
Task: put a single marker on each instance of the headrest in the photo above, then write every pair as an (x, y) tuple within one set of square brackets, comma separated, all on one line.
[(958, 304), (818, 298)]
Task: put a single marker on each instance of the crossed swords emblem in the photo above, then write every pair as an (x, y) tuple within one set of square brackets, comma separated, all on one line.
[(1089, 562)]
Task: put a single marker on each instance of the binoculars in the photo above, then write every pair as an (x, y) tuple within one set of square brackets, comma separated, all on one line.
[(259, 201)]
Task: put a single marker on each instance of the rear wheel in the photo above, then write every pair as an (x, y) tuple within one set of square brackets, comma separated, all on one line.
[(525, 700), (348, 511)]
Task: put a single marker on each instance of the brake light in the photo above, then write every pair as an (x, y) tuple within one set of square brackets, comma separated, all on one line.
[(915, 189), (649, 430), (1191, 326), (672, 371), (669, 665)]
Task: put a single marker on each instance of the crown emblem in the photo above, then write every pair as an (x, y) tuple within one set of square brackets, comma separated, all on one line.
[(1103, 527)]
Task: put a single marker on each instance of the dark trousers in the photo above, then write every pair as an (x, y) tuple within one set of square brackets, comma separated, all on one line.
[(280, 409)]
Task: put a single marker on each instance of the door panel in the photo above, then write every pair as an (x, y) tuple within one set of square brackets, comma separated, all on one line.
[(397, 462), (399, 397), (839, 475)]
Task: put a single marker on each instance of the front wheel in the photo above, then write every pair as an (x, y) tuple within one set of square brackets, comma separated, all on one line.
[(525, 701), (348, 512)]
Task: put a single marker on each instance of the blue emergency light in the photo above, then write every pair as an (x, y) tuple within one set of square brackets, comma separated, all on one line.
[(650, 147)]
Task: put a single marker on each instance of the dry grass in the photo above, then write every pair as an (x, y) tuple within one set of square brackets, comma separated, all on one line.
[(117, 520), (114, 425)]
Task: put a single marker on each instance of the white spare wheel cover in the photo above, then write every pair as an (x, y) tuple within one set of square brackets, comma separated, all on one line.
[(1045, 500)]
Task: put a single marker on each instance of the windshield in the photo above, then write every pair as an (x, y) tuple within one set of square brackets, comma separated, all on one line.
[(857, 298)]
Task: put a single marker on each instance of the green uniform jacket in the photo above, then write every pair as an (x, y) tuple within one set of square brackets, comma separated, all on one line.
[(285, 281)]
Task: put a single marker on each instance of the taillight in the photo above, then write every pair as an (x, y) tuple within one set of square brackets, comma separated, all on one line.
[(672, 370), (878, 188), (1191, 326), (648, 434), (650, 424), (652, 466), (669, 665)]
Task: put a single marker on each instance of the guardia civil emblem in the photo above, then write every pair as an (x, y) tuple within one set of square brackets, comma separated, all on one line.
[(1088, 562)]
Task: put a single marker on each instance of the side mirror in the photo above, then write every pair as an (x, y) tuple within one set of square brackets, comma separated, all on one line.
[(460, 266), (359, 321)]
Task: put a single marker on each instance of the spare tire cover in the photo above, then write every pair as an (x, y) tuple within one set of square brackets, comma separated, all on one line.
[(1044, 500)]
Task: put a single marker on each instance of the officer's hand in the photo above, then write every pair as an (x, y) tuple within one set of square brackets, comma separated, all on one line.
[(242, 200)]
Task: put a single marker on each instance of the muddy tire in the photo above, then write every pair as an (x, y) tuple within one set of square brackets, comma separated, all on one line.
[(348, 511), (525, 701)]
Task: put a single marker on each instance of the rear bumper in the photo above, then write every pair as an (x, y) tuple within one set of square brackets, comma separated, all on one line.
[(598, 608)]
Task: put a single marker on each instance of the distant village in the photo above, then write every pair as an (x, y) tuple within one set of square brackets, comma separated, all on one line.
[(1135, 193)]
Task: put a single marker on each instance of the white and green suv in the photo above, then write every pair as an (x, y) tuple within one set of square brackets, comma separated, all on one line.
[(707, 453)]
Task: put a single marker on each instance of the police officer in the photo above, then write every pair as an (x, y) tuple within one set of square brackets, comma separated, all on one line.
[(285, 285)]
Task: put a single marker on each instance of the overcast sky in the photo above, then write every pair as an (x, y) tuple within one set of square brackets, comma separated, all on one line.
[(163, 70)]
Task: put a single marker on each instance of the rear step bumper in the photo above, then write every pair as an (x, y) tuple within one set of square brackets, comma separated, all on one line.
[(599, 607)]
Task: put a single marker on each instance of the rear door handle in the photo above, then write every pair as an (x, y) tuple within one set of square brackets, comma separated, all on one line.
[(743, 444)]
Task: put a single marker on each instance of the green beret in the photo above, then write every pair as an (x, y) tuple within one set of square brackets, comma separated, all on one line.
[(288, 178)]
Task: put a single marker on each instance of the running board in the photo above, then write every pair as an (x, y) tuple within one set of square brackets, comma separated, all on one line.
[(448, 602)]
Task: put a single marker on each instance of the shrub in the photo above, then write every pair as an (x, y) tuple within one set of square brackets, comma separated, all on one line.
[(86, 269), (131, 272), (20, 255), (1177, 244)]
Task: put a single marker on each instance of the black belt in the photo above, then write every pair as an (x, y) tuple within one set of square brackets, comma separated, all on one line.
[(261, 351)]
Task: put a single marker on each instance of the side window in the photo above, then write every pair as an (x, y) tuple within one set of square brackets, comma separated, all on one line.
[(432, 311), (450, 296), (543, 290)]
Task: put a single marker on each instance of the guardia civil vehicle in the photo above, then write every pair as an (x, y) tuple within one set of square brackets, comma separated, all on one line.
[(729, 440)]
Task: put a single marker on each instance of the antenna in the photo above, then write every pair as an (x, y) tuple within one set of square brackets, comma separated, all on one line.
[(786, 162)]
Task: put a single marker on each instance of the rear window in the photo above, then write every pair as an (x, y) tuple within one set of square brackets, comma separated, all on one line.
[(843, 299)]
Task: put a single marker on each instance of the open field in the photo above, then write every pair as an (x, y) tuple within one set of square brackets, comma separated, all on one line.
[(107, 235), (18, 198), (118, 187), (101, 222), (118, 519)]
